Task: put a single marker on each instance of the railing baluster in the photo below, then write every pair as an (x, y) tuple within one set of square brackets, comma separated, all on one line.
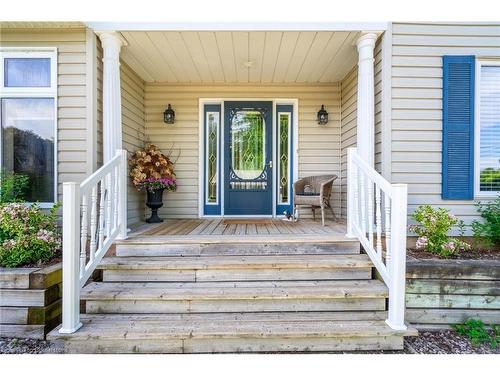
[(369, 202), (356, 194), (363, 202), (116, 197), (109, 197), (387, 208), (83, 234), (93, 223), (101, 214), (378, 220)]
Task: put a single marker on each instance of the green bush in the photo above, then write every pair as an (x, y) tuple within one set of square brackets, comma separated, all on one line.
[(488, 231), (432, 230), (27, 235), (476, 332), (13, 187)]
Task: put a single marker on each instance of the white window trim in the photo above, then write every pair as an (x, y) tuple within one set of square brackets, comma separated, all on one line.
[(33, 92)]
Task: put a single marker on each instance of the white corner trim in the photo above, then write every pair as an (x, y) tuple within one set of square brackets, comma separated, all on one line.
[(386, 124)]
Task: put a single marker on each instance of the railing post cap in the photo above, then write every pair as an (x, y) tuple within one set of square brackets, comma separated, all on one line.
[(70, 183)]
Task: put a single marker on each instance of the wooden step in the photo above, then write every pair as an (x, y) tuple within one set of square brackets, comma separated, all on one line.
[(336, 295), (236, 268), (229, 245), (124, 334)]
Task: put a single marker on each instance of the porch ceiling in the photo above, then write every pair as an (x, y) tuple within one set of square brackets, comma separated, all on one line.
[(240, 56)]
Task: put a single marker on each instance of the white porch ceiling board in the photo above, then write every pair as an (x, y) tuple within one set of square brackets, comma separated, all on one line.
[(324, 61), (304, 43), (257, 41), (337, 66), (226, 52), (179, 48), (241, 56), (318, 47), (169, 57), (240, 41), (197, 53), (141, 46), (209, 44), (271, 50), (288, 43)]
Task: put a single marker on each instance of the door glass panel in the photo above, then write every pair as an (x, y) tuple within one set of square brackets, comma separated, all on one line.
[(28, 144), (212, 157), (248, 144), (283, 156)]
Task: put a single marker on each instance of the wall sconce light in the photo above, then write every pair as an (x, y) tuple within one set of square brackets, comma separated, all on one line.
[(322, 116), (169, 115)]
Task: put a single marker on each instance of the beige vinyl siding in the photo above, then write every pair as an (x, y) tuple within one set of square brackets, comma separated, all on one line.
[(349, 87), (72, 124), (133, 132), (319, 146), (417, 101)]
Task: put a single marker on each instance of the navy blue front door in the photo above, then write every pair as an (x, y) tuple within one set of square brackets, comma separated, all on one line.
[(248, 173)]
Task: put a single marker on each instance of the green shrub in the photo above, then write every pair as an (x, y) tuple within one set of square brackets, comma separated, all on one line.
[(476, 332), (27, 234), (432, 230), (488, 231), (13, 187)]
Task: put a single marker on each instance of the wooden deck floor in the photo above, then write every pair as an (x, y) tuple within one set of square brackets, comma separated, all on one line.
[(238, 227)]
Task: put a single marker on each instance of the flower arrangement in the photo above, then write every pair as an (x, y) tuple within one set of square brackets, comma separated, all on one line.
[(433, 228), (150, 169), (151, 184), (27, 234)]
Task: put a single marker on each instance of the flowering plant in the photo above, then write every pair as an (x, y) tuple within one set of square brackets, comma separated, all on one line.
[(151, 184), (150, 169), (433, 228), (27, 234)]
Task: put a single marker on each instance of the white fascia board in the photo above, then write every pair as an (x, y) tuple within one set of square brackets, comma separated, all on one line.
[(244, 26)]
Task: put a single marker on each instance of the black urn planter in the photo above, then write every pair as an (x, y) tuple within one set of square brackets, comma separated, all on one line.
[(154, 201)]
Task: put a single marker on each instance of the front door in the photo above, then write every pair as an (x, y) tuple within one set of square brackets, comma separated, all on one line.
[(248, 173)]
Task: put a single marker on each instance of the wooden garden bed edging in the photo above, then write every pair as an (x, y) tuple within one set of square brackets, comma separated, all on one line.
[(441, 292), (30, 301)]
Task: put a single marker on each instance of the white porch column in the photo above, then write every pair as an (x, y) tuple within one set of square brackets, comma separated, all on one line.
[(111, 93), (366, 98)]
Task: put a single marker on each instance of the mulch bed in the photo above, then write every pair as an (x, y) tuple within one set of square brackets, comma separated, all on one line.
[(493, 254)]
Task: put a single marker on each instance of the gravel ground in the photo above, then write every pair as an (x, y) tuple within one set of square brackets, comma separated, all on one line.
[(27, 346), (437, 342)]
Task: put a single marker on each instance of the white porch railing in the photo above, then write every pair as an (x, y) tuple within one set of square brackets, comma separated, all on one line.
[(376, 215), (94, 215)]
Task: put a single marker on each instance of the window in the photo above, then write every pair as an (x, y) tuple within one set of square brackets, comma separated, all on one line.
[(28, 95), (487, 128)]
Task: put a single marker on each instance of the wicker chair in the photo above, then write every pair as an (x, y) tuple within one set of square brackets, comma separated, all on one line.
[(314, 191)]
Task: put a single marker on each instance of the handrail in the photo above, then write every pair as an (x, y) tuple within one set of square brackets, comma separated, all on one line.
[(87, 238), (377, 216)]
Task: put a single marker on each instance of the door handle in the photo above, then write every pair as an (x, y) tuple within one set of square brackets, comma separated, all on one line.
[(270, 164)]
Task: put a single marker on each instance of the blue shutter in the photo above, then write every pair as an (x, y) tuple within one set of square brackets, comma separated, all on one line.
[(458, 127)]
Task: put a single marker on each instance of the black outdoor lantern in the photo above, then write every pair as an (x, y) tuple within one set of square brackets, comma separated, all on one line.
[(169, 115), (322, 116)]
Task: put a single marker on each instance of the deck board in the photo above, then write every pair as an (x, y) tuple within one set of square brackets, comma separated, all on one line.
[(242, 227)]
